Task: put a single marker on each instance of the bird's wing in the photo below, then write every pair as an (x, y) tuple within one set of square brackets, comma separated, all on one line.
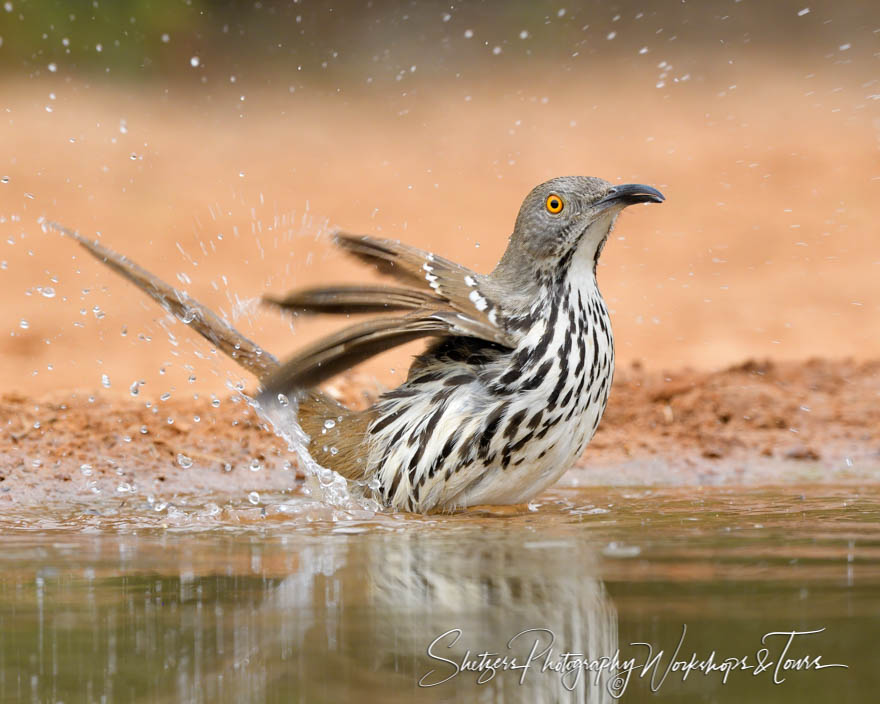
[(188, 310), (347, 300), (356, 343), (463, 290)]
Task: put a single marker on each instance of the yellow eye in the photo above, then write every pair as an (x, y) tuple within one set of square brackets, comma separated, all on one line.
[(554, 204)]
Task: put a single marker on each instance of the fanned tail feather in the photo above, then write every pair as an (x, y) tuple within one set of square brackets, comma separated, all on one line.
[(199, 317)]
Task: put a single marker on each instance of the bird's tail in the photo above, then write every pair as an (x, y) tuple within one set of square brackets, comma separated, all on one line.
[(338, 443), (199, 317)]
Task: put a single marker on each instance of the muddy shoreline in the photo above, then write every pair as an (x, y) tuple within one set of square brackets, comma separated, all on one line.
[(759, 422)]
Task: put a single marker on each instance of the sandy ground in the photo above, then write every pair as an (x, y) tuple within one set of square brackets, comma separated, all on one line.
[(755, 423), (765, 249)]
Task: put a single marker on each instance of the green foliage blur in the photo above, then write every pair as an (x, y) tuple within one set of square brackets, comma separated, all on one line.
[(160, 38), (122, 35)]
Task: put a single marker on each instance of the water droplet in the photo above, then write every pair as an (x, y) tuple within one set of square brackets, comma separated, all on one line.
[(48, 292), (184, 461), (124, 488), (283, 400), (255, 465), (105, 381), (329, 423), (254, 498), (86, 470), (53, 67), (135, 388), (23, 324), (166, 38), (194, 61), (615, 549), (165, 396)]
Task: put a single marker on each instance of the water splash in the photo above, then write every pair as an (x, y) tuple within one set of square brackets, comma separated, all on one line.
[(324, 484)]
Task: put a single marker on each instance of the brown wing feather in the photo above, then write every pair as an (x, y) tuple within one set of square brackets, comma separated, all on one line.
[(200, 318), (350, 346), (463, 289), (353, 299)]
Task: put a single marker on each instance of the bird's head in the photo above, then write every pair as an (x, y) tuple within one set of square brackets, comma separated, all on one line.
[(572, 213)]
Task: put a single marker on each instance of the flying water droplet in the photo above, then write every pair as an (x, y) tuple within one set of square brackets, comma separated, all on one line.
[(184, 461), (254, 498)]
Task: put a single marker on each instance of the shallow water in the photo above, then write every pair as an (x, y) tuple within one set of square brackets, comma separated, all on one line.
[(287, 600)]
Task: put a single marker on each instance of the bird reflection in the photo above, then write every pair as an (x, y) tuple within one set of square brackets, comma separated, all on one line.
[(363, 616)]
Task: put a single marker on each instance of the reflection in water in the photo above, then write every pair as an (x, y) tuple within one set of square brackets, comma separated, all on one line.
[(269, 606), (251, 619)]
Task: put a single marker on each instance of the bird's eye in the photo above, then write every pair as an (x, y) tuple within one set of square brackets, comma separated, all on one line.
[(554, 204)]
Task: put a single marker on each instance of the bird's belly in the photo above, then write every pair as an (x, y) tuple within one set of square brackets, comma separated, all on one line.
[(538, 465)]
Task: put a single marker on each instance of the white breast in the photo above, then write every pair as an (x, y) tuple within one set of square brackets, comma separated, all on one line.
[(411, 454)]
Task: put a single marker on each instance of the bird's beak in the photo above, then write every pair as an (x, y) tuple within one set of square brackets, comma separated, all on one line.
[(630, 194)]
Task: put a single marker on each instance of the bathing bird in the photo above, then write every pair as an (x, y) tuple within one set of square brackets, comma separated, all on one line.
[(511, 386)]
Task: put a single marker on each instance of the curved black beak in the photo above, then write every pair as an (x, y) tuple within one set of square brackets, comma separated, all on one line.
[(630, 194)]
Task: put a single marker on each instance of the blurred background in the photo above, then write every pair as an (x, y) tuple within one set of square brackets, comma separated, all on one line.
[(217, 143)]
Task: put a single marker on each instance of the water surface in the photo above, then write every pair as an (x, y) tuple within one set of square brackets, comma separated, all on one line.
[(219, 599)]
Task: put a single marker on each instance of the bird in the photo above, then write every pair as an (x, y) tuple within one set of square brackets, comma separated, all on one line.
[(514, 379)]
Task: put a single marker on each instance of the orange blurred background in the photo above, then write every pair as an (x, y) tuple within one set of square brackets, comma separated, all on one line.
[(221, 172)]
